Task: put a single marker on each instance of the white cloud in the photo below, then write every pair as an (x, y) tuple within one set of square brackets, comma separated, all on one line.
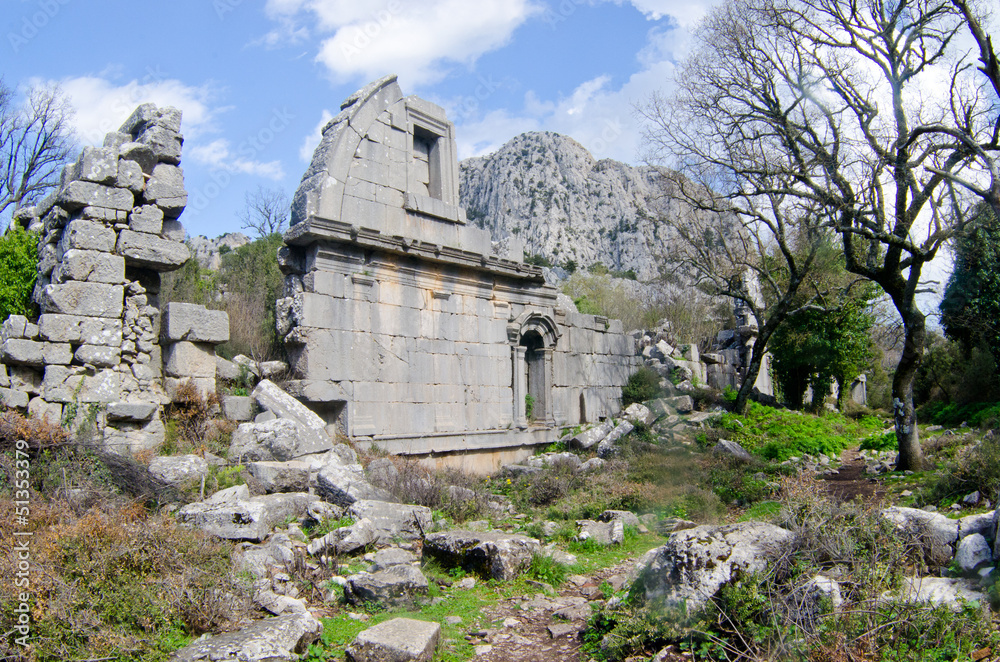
[(416, 39), (312, 140), (102, 105), (219, 154), (685, 13)]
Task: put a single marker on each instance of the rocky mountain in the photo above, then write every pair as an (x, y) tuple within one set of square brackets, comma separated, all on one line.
[(209, 252), (549, 191)]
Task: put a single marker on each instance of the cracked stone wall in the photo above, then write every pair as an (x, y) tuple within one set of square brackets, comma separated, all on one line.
[(405, 325), (107, 233)]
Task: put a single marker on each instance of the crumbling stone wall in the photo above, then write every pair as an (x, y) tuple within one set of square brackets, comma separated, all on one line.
[(107, 233)]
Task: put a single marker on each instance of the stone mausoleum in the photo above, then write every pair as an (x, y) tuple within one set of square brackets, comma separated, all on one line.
[(406, 327)]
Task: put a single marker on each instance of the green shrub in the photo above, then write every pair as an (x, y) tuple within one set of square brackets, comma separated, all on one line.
[(642, 385), (880, 442), (546, 569), (18, 271)]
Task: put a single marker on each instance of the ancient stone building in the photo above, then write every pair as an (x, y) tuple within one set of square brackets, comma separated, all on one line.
[(405, 326)]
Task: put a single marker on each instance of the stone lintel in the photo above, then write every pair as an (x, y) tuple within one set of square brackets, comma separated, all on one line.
[(316, 229)]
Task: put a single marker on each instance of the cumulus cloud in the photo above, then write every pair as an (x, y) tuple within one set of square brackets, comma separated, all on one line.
[(219, 154), (417, 39), (102, 105)]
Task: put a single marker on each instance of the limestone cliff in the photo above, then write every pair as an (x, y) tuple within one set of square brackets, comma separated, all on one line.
[(550, 192)]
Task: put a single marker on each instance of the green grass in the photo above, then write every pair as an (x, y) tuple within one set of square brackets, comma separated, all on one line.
[(778, 434), (977, 414)]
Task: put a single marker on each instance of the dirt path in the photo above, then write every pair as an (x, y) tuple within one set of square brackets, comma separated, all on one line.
[(851, 481)]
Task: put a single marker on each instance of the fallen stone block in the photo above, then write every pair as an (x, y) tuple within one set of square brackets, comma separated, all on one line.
[(237, 407), (497, 555), (695, 563), (342, 485), (973, 551), (386, 558), (570, 461), (313, 429), (607, 447), (682, 404), (951, 593), (602, 533), (637, 413), (248, 519), (627, 517), (280, 439), (271, 640), (194, 323), (345, 540), (398, 640), (396, 586), (732, 449), (393, 520), (179, 470), (590, 438), (292, 476)]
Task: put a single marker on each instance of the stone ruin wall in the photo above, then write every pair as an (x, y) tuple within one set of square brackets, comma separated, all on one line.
[(98, 348), (405, 326)]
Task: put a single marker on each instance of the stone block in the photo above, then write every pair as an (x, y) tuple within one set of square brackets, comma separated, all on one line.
[(173, 230), (237, 408), (393, 520), (179, 470), (14, 398), (191, 322), (19, 351), (88, 236), (165, 189), (291, 476), (342, 485), (130, 176), (166, 144), (498, 555), (188, 359), (148, 219), (269, 640), (77, 329), (98, 165), (90, 266), (151, 251), (85, 299), (24, 378), (101, 356), (140, 154), (131, 411), (396, 586), (13, 327), (249, 519), (78, 195), (45, 411), (76, 384), (399, 640), (279, 439)]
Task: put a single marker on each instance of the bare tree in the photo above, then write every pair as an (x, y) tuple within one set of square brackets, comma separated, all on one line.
[(750, 236), (265, 211), (836, 110), (36, 139)]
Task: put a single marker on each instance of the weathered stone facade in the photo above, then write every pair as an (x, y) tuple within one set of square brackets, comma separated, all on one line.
[(405, 327), (107, 233)]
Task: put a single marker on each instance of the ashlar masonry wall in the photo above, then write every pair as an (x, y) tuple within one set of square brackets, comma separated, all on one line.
[(405, 327)]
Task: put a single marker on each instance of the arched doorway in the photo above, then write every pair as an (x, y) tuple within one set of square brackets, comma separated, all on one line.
[(533, 337)]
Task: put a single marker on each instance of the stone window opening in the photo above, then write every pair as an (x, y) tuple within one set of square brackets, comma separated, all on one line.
[(534, 370), (427, 163)]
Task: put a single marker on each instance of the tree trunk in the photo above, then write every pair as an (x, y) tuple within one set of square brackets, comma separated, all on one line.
[(907, 435)]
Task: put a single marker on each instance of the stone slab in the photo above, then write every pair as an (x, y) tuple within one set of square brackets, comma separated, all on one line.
[(194, 323), (188, 359), (151, 251), (398, 640), (83, 299)]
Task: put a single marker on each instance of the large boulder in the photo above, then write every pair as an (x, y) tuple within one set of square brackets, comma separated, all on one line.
[(398, 640), (236, 516), (935, 533), (393, 520), (396, 586), (695, 563), (271, 640), (498, 555), (343, 484)]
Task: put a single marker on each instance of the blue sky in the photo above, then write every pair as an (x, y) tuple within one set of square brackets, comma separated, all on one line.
[(256, 79)]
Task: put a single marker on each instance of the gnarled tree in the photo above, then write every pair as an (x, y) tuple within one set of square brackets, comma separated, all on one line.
[(837, 106)]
